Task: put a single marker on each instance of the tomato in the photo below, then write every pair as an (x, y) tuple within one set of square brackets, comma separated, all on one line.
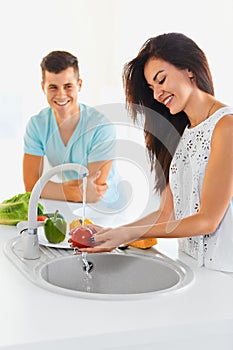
[(80, 237), (42, 218)]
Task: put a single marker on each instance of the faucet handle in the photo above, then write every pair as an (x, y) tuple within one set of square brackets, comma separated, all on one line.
[(23, 225), (30, 240), (31, 248)]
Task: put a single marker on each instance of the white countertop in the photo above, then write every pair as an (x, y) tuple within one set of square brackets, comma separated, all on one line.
[(198, 316)]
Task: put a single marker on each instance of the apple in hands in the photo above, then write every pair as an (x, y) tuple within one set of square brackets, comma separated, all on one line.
[(80, 237)]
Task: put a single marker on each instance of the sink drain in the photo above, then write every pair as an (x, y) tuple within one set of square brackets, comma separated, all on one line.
[(88, 266)]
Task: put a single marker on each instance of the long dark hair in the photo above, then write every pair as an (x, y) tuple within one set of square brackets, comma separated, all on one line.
[(163, 130)]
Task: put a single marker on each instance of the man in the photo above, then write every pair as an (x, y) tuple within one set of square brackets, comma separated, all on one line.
[(69, 132)]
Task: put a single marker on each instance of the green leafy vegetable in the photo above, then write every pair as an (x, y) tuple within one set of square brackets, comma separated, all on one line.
[(15, 209)]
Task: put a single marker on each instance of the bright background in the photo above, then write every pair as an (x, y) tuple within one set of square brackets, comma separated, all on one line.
[(104, 35)]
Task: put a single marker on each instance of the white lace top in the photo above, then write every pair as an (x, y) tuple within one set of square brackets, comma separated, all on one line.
[(187, 172)]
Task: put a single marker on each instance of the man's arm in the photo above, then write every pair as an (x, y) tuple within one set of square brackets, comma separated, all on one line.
[(96, 183), (32, 170), (70, 190)]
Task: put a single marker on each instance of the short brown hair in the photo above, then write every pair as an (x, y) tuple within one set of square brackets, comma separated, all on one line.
[(57, 61)]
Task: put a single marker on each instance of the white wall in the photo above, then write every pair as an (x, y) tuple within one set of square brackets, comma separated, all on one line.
[(104, 34)]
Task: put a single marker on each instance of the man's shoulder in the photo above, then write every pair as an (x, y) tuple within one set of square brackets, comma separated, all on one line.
[(43, 113), (40, 121), (43, 117), (92, 115)]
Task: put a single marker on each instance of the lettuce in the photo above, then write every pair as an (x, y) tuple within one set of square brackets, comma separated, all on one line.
[(15, 209)]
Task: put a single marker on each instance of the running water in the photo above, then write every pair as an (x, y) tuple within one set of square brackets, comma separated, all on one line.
[(86, 268), (84, 254), (84, 198)]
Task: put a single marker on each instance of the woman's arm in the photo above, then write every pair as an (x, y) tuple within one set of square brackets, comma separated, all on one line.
[(217, 190), (135, 230), (164, 213), (217, 193)]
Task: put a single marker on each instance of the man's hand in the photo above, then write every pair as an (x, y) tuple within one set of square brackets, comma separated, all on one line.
[(73, 190), (94, 191), (70, 190)]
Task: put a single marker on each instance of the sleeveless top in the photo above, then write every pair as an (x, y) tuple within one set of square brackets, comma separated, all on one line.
[(187, 170)]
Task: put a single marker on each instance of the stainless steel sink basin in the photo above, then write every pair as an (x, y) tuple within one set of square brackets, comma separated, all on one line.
[(126, 274)]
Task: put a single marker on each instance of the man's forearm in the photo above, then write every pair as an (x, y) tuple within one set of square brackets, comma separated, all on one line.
[(61, 191)]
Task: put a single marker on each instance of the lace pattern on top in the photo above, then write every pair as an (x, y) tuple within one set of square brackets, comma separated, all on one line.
[(188, 168)]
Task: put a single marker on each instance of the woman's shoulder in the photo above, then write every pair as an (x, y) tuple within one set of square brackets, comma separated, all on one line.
[(221, 113), (224, 126), (223, 110), (225, 122), (224, 115)]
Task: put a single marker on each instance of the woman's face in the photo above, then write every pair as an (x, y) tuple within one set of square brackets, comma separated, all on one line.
[(171, 86)]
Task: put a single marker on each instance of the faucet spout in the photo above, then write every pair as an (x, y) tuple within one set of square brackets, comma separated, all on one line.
[(31, 244)]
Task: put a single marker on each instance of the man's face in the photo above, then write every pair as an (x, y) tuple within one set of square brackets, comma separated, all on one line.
[(61, 90)]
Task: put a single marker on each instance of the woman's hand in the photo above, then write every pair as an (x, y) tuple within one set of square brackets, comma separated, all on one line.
[(107, 239), (103, 240)]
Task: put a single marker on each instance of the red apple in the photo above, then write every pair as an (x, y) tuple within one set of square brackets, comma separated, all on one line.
[(80, 237)]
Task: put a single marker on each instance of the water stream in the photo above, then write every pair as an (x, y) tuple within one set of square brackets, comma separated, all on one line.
[(84, 198), (84, 254)]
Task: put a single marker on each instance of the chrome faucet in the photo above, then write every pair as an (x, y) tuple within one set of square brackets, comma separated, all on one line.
[(31, 249)]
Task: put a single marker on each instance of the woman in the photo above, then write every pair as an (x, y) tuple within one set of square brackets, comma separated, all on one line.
[(189, 137)]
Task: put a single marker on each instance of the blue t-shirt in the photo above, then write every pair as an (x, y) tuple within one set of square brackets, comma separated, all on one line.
[(93, 140)]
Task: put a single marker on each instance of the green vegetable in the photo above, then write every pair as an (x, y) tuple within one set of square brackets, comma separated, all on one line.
[(55, 229), (15, 209)]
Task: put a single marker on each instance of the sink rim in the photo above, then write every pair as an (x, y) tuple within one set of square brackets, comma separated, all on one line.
[(31, 269), (184, 273)]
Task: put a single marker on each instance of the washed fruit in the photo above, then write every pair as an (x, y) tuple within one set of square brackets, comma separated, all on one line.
[(80, 237), (55, 228), (79, 222)]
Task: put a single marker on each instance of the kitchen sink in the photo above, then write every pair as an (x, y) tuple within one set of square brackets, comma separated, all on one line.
[(121, 274)]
